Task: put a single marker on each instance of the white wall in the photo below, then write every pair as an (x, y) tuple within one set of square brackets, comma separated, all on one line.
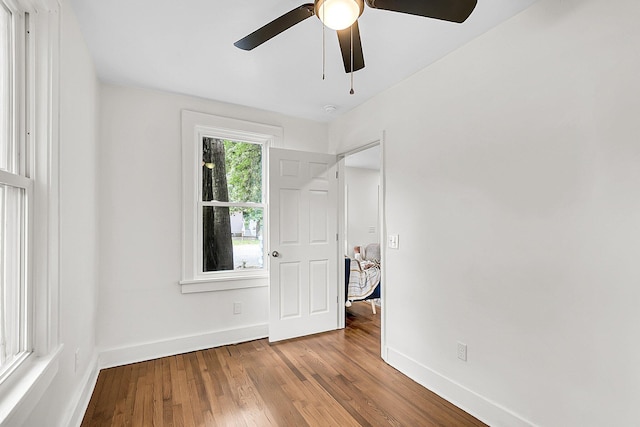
[(142, 313), (362, 207), (78, 230), (519, 155)]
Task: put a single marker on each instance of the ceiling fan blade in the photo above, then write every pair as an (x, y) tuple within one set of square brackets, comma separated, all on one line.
[(275, 27), (446, 10), (344, 38)]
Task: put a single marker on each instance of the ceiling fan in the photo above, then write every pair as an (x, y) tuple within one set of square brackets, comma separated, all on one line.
[(342, 16)]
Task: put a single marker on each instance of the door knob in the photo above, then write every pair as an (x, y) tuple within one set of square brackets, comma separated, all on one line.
[(275, 254)]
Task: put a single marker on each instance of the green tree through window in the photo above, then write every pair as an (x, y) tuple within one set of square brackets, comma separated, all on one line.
[(231, 190)]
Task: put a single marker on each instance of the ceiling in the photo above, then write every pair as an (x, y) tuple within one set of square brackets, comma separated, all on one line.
[(186, 47)]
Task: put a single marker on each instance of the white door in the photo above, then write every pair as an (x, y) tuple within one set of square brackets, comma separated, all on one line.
[(303, 245)]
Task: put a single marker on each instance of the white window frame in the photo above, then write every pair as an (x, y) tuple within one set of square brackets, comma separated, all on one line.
[(18, 177), (196, 126), (24, 287), (36, 123)]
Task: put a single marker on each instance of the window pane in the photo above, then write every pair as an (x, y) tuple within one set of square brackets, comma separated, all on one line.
[(231, 171), (232, 238), (6, 141), (247, 230), (12, 301)]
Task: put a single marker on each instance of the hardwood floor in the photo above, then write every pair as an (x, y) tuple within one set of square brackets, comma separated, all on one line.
[(331, 379)]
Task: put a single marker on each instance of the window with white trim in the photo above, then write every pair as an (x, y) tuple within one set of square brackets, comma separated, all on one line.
[(224, 201), (16, 188), (29, 287)]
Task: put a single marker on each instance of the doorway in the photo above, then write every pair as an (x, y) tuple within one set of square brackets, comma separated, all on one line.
[(362, 231)]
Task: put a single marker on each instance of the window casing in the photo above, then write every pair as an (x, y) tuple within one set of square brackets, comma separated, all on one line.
[(16, 194), (29, 190), (198, 131)]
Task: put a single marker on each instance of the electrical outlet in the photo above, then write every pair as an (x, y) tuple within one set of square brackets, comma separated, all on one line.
[(237, 308), (462, 351)]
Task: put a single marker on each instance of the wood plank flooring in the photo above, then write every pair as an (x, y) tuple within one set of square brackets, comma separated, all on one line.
[(331, 379)]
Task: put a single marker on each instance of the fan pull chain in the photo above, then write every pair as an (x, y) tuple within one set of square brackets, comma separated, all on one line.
[(323, 46), (351, 92)]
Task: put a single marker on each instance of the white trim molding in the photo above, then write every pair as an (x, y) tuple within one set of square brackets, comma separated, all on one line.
[(152, 350), (479, 406), (26, 389), (224, 284), (21, 391), (80, 402)]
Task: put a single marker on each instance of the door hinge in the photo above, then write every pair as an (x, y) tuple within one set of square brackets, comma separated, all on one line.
[(336, 174), (336, 237)]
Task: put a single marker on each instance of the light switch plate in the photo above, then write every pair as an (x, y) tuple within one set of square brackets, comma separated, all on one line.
[(393, 241)]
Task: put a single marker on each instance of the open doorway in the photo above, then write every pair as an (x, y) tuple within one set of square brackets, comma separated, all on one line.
[(362, 235)]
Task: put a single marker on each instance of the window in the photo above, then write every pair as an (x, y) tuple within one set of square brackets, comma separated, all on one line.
[(15, 199), (231, 205), (29, 347), (224, 201)]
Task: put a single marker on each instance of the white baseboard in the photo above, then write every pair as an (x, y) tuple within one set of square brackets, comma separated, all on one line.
[(467, 400), (76, 411), (153, 350)]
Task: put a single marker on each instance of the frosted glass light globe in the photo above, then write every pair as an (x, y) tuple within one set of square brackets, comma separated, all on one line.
[(338, 14)]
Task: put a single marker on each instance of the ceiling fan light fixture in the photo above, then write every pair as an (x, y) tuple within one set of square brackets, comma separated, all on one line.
[(338, 14)]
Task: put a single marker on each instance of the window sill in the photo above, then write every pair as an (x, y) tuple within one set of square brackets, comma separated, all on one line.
[(24, 388), (225, 283)]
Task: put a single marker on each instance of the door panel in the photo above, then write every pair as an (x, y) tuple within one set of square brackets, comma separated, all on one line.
[(318, 217), (318, 282), (289, 285), (303, 232), (289, 227)]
